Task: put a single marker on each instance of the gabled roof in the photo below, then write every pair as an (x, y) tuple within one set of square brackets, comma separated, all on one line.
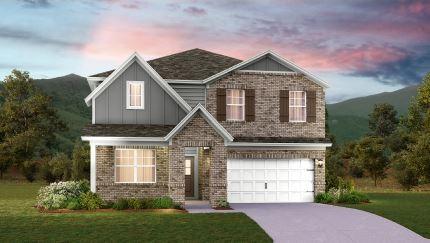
[(207, 116), (276, 57), (194, 64), (126, 130), (135, 57)]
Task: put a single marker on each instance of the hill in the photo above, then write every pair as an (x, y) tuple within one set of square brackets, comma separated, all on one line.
[(68, 93), (348, 120)]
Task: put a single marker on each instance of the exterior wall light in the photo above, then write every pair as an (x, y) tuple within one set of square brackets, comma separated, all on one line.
[(319, 163)]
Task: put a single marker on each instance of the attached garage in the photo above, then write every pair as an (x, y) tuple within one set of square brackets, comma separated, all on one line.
[(270, 180)]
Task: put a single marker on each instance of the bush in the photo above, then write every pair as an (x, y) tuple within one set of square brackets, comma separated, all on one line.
[(74, 204), (90, 201), (348, 198), (361, 196), (57, 169), (135, 203), (324, 198), (57, 195), (29, 169), (80, 168), (162, 202), (223, 203), (120, 204)]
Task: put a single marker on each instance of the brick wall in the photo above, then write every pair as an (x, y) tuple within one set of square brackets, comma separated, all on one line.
[(204, 163), (105, 176), (267, 88), (198, 133)]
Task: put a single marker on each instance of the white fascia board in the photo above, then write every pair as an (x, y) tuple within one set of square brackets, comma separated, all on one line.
[(282, 60), (183, 81), (96, 79), (163, 84), (129, 139), (302, 145), (207, 116)]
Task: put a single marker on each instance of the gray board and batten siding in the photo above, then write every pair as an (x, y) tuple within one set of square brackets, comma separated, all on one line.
[(160, 108), (191, 93), (266, 64)]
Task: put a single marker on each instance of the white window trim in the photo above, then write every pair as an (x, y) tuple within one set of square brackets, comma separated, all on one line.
[(142, 95), (135, 166), (296, 106), (227, 104)]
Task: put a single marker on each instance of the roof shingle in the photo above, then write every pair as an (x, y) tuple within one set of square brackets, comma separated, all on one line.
[(194, 64), (126, 130)]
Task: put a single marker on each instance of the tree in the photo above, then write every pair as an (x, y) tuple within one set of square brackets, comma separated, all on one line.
[(371, 153), (383, 120), (28, 120), (81, 161), (60, 167)]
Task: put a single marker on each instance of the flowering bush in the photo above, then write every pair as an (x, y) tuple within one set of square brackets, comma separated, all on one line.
[(58, 194)]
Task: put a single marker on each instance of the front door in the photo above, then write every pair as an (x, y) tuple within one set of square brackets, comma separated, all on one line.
[(189, 176)]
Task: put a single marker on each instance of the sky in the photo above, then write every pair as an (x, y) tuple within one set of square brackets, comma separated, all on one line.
[(358, 47)]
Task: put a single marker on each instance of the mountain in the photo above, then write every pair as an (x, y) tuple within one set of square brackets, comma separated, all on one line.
[(348, 120), (68, 93)]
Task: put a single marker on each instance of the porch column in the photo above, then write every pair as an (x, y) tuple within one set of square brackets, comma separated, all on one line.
[(177, 173), (218, 175)]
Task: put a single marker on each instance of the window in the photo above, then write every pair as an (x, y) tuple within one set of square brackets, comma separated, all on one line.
[(297, 108), (135, 166), (135, 94), (235, 105)]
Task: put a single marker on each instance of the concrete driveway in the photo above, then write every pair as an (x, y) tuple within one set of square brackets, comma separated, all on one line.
[(312, 222)]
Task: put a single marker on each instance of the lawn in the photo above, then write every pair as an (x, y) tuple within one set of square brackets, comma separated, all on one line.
[(410, 209), (19, 221)]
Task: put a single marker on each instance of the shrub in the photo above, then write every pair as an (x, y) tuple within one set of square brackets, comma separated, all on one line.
[(348, 198), (223, 203), (56, 195), (120, 204), (74, 204), (58, 168), (135, 203), (361, 196), (324, 198), (90, 201), (29, 169), (162, 202)]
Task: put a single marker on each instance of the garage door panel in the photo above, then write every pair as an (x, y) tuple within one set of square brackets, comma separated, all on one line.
[(270, 174), (270, 180), (260, 174)]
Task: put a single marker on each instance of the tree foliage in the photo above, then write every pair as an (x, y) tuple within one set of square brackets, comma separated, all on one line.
[(27, 120), (370, 152), (81, 161), (383, 120)]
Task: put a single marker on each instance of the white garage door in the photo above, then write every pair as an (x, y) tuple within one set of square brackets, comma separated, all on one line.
[(270, 180)]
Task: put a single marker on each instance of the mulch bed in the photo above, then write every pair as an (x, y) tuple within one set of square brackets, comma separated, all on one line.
[(64, 210)]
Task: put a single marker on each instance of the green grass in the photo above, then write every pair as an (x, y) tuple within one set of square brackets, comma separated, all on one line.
[(20, 222), (410, 209)]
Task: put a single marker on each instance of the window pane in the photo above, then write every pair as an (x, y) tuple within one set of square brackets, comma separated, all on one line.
[(124, 174), (235, 112), (148, 153), (123, 157), (187, 163), (146, 174), (188, 171)]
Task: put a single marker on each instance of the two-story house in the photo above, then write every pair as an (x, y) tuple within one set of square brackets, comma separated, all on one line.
[(200, 125)]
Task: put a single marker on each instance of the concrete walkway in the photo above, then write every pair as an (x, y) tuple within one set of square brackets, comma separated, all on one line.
[(312, 222)]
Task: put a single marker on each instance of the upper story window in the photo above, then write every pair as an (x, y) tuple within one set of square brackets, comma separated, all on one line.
[(135, 94), (297, 106), (135, 166), (235, 105)]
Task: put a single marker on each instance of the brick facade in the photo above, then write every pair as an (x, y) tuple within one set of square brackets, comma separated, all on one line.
[(105, 176), (199, 133), (267, 123)]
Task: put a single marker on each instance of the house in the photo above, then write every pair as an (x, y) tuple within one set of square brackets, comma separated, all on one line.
[(200, 125)]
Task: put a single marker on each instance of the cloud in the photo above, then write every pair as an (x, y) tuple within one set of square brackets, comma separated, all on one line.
[(406, 71), (36, 3), (28, 36), (195, 11)]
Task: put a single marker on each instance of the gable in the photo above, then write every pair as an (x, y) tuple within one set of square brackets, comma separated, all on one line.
[(160, 107), (266, 63)]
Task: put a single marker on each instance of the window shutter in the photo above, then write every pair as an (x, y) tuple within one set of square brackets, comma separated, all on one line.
[(221, 100), (311, 106), (284, 105), (250, 105)]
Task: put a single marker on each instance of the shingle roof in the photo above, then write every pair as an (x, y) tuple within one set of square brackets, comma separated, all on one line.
[(194, 64), (280, 140), (126, 130)]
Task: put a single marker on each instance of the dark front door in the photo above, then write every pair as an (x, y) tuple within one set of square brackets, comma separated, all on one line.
[(189, 176)]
